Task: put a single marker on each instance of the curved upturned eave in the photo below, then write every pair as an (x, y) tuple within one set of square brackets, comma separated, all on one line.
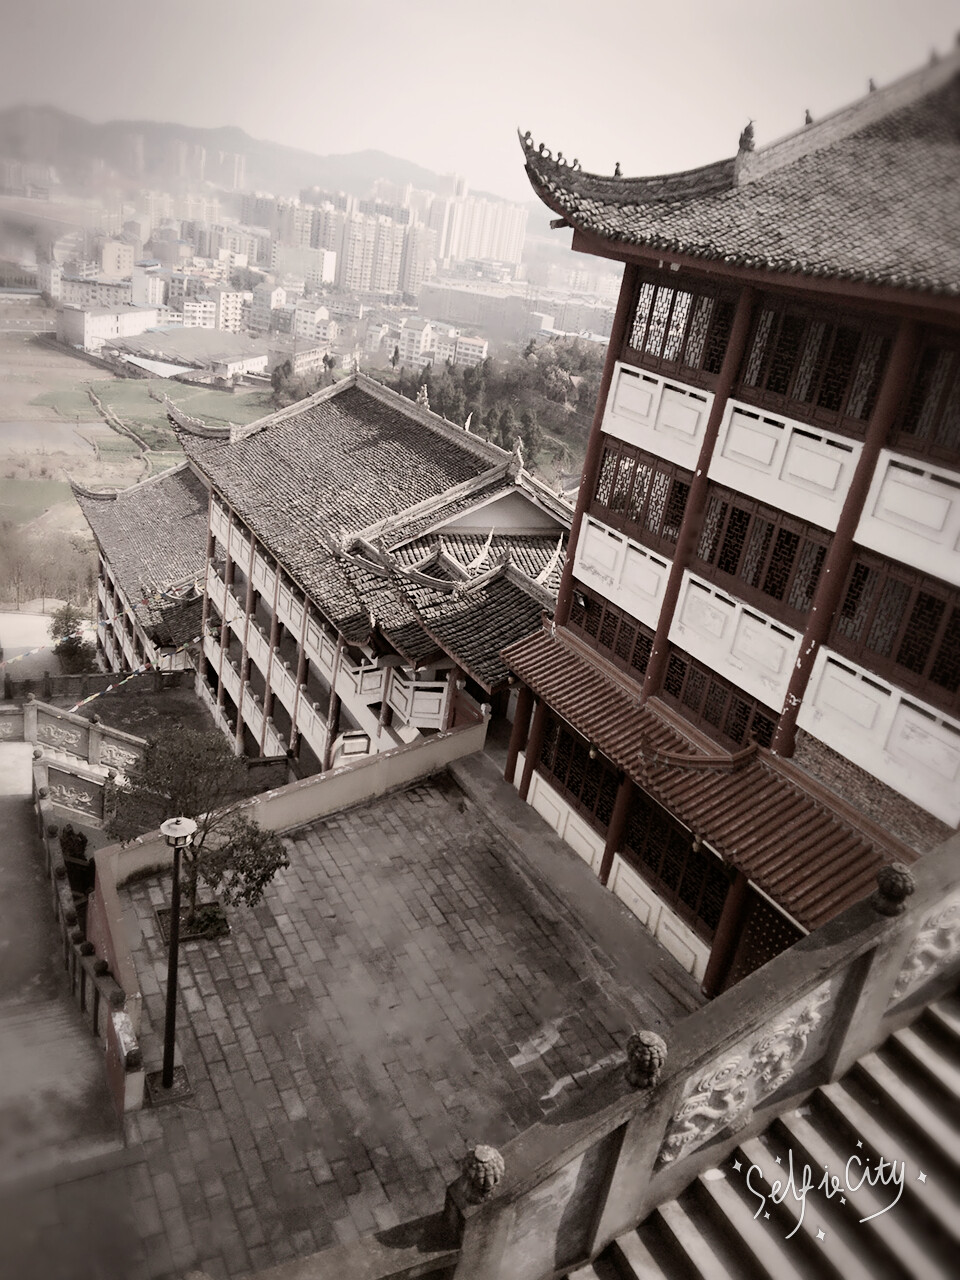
[(563, 200)]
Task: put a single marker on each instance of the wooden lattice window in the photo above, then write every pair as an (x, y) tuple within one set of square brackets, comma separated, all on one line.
[(765, 934), (614, 633), (904, 626), (693, 882), (814, 367), (719, 707), (590, 785), (679, 327), (765, 555), (929, 422), (641, 495)]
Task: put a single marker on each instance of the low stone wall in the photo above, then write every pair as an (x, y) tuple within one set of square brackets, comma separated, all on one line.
[(79, 687)]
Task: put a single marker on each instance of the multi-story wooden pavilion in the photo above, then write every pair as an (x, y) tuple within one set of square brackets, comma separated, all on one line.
[(750, 696), (366, 561)]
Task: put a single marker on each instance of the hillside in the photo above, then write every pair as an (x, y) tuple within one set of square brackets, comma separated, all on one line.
[(86, 153)]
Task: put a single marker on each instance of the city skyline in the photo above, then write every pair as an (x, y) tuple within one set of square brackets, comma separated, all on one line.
[(460, 86)]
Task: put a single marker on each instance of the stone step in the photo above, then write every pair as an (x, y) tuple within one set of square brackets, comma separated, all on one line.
[(925, 1052), (634, 1260), (886, 1233), (769, 1257), (843, 1260), (945, 1016), (906, 1096), (691, 1239), (863, 1122)]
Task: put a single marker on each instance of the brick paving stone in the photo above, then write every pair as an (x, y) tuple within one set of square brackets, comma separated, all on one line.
[(354, 1033)]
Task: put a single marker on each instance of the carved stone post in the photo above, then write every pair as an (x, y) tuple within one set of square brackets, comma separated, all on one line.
[(480, 1173), (646, 1054)]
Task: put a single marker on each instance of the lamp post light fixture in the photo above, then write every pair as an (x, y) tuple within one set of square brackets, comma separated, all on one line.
[(178, 833)]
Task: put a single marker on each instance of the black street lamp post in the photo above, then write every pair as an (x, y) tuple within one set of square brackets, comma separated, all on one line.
[(178, 832)]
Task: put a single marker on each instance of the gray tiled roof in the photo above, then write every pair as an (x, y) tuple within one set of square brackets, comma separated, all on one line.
[(530, 552), (878, 203), (154, 535), (475, 622), (306, 479)]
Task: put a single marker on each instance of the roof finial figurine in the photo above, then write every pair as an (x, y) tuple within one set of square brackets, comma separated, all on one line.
[(616, 170), (871, 85), (934, 57), (466, 425), (807, 117), (746, 138), (422, 397)]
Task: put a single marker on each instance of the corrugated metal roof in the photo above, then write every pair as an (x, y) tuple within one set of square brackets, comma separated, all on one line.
[(761, 814)]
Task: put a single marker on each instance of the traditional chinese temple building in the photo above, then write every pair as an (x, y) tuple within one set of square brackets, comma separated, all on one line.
[(150, 540), (749, 697), (366, 561)]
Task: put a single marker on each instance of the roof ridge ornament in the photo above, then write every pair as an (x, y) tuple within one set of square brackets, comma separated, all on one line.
[(747, 141)]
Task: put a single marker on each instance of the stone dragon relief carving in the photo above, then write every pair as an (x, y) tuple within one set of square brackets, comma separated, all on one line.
[(72, 797), (932, 950), (58, 735), (119, 757), (714, 1101)]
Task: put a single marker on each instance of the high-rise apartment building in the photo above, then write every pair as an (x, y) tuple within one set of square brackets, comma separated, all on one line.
[(419, 259), (116, 260)]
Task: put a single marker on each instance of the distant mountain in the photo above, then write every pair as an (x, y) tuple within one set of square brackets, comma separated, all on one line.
[(138, 152)]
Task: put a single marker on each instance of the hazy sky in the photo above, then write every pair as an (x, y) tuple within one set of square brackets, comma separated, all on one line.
[(657, 86)]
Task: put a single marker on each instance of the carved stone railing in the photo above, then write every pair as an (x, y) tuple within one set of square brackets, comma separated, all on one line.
[(635, 1138), (102, 987), (88, 740)]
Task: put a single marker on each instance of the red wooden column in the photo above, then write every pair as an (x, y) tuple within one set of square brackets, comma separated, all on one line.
[(534, 747), (693, 514), (591, 463), (727, 936), (618, 825), (520, 730), (826, 598)]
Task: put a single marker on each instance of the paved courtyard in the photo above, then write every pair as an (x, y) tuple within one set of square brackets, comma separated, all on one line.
[(402, 992)]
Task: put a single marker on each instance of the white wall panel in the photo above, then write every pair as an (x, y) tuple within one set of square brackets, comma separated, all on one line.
[(661, 415), (623, 571), (798, 468), (665, 925), (900, 740), (753, 651), (912, 515)]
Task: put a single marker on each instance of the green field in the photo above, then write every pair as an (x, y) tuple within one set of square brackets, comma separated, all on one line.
[(69, 403), (221, 406), (162, 461), (22, 500), (130, 400)]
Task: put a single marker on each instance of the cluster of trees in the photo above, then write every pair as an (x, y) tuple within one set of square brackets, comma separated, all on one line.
[(289, 387), (37, 564), (544, 396), (75, 653)]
